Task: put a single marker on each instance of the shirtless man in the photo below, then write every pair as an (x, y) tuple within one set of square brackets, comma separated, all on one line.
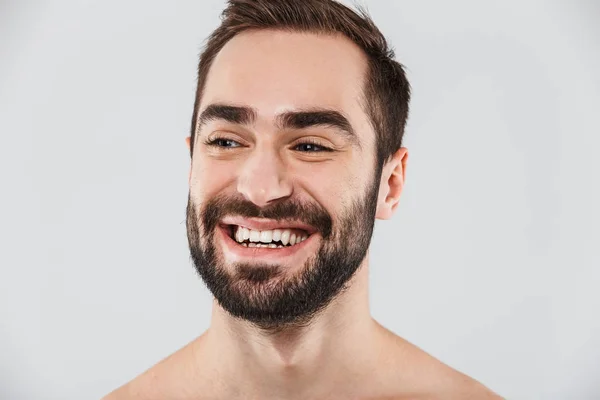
[(296, 149)]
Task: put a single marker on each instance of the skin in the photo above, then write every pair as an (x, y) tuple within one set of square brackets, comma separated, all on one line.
[(344, 353)]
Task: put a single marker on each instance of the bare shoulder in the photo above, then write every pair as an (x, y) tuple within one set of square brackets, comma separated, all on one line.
[(163, 380), (456, 385), (416, 372)]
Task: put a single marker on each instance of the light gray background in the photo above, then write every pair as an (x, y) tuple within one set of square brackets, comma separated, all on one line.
[(491, 263)]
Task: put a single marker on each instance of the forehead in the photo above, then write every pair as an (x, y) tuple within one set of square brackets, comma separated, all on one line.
[(276, 71)]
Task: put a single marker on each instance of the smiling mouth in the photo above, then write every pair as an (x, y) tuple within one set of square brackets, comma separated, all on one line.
[(273, 239)]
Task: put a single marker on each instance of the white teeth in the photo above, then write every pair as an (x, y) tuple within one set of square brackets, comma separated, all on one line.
[(266, 236), (285, 237), (255, 236)]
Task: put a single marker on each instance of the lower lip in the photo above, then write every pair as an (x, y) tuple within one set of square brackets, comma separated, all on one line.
[(260, 252)]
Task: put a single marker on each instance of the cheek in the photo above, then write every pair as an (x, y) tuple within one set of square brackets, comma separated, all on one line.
[(334, 187), (209, 176)]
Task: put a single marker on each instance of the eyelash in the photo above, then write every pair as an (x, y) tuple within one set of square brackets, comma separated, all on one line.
[(215, 143)]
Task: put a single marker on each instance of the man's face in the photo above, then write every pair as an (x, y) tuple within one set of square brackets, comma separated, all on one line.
[(283, 187)]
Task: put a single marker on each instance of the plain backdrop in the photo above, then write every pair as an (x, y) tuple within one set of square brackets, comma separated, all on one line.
[(491, 263)]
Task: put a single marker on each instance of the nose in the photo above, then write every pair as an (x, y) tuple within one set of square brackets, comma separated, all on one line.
[(263, 178)]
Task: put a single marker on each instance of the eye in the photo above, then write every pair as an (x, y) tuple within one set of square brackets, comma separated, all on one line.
[(223, 143), (311, 147)]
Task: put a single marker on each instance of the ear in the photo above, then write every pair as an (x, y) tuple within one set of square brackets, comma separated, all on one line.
[(188, 143), (392, 182)]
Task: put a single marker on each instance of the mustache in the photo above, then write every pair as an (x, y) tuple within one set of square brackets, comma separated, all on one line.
[(222, 205)]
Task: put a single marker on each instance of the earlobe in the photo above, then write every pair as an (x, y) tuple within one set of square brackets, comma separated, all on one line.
[(392, 183)]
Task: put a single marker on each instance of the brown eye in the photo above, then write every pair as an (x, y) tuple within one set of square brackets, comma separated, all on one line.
[(223, 143), (309, 147)]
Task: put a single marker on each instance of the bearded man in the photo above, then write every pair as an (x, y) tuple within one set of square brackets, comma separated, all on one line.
[(296, 149)]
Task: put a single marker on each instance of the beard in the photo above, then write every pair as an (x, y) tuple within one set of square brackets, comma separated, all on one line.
[(265, 294)]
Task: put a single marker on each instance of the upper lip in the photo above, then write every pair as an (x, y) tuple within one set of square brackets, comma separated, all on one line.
[(259, 224)]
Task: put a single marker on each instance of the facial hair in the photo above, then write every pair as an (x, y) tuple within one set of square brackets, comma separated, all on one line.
[(262, 293)]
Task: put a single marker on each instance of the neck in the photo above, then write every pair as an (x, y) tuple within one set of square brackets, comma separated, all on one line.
[(341, 339)]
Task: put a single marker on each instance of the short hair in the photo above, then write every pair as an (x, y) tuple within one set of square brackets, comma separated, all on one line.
[(386, 91)]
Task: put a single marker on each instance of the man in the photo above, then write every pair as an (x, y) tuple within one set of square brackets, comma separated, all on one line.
[(296, 149)]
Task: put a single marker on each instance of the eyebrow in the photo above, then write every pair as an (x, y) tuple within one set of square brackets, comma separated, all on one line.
[(301, 119), (234, 114)]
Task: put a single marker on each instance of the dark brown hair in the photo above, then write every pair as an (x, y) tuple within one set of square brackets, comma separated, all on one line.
[(386, 92)]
